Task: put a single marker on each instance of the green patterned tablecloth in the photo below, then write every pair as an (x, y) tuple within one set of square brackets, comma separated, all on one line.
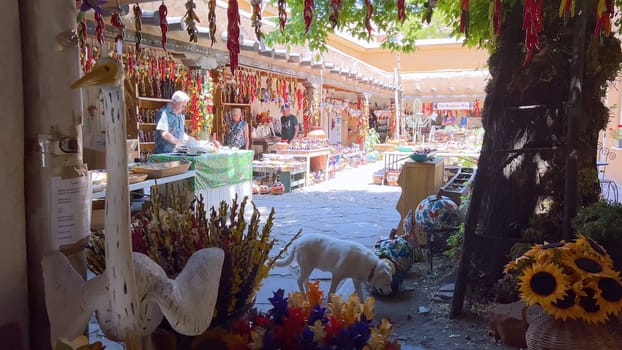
[(215, 169)]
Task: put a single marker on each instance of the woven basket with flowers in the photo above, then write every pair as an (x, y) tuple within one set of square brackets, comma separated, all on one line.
[(575, 285)]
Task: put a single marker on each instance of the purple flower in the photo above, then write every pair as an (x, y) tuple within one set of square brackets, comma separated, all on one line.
[(279, 309), (317, 313), (92, 4)]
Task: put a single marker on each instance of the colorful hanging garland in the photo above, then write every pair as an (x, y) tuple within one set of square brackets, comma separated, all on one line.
[(138, 25), (191, 19), (162, 12), (532, 25), (282, 6), (201, 106), (308, 14), (233, 34)]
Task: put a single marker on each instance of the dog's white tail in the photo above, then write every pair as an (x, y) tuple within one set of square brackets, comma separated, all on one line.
[(286, 260)]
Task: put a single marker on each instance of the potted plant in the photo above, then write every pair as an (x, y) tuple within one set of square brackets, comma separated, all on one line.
[(578, 291)]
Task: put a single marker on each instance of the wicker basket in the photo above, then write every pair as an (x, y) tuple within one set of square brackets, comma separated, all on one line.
[(547, 333), (157, 170)]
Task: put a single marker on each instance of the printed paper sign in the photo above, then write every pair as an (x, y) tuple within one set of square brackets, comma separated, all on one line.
[(70, 209)]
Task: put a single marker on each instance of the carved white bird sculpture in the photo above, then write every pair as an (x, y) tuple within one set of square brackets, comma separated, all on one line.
[(132, 295)]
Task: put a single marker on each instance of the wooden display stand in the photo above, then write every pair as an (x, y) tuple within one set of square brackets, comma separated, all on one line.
[(418, 180)]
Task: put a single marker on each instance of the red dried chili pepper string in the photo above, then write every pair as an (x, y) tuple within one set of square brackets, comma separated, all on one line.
[(308, 14), (211, 17), (532, 25), (498, 17), (116, 22), (464, 17), (335, 8), (233, 34), (282, 5), (99, 29), (368, 15), (401, 10), (162, 12)]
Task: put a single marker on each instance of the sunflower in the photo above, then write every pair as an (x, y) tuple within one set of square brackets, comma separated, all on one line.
[(592, 310), (565, 307), (542, 284), (587, 245), (586, 264), (610, 294)]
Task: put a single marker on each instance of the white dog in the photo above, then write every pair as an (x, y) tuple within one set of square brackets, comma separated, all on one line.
[(344, 259)]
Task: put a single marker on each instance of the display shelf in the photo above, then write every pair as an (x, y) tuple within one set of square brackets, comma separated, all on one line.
[(150, 183)]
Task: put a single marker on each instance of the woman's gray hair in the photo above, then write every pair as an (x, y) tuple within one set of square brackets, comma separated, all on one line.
[(180, 96)]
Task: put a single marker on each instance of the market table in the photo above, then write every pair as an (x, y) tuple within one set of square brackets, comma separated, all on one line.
[(218, 176), (317, 158)]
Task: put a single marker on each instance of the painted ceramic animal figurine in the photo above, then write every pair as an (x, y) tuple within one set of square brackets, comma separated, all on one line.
[(132, 295)]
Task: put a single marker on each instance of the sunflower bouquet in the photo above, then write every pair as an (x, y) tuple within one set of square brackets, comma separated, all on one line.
[(305, 322), (573, 280)]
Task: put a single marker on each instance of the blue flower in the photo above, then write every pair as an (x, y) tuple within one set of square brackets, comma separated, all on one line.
[(317, 313)]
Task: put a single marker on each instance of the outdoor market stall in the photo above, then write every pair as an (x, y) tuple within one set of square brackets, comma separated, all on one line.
[(218, 176)]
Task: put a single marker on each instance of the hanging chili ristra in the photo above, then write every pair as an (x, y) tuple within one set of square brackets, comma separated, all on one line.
[(401, 10), (566, 7), (211, 18), (368, 14), (335, 8), (233, 34), (282, 5), (116, 22), (162, 12), (130, 64), (191, 19), (256, 19), (81, 29), (497, 18), (308, 14), (99, 28), (464, 17), (532, 25), (138, 25), (604, 10)]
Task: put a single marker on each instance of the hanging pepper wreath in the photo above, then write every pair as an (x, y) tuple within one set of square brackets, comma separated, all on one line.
[(464, 17), (118, 25), (532, 25)]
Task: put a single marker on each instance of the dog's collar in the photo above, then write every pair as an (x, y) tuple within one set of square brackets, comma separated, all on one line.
[(372, 271)]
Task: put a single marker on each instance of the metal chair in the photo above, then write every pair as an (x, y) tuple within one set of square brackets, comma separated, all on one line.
[(608, 187)]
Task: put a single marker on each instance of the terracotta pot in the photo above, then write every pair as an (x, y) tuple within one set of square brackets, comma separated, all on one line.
[(317, 133), (277, 187)]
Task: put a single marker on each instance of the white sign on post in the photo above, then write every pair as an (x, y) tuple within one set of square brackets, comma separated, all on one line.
[(70, 209)]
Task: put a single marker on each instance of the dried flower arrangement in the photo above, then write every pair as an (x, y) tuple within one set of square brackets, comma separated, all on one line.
[(305, 322), (573, 280), (170, 236)]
